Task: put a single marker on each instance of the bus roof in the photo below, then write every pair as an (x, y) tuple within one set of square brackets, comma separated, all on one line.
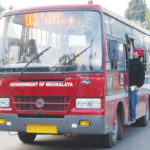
[(125, 21), (47, 8), (74, 7)]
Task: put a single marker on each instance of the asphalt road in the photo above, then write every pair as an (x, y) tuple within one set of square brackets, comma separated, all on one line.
[(135, 138)]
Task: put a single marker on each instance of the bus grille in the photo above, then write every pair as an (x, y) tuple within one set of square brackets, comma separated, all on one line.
[(50, 104)]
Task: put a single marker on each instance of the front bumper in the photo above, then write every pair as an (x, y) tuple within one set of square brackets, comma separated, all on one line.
[(67, 125)]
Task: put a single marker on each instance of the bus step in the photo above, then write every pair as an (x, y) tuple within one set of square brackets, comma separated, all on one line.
[(131, 122)]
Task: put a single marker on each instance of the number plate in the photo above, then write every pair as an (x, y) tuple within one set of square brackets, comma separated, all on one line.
[(41, 128)]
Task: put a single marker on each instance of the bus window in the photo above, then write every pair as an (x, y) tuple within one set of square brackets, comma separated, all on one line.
[(147, 61), (14, 31), (113, 53), (52, 29), (2, 23), (14, 52), (128, 30), (138, 39), (117, 29), (108, 62), (147, 42), (107, 24), (121, 63)]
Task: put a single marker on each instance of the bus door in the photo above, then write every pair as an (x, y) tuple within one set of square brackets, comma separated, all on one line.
[(130, 47)]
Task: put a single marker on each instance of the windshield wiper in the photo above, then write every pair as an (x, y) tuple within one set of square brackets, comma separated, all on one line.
[(35, 57), (77, 56)]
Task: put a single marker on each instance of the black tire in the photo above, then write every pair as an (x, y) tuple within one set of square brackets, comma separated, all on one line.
[(120, 127), (109, 141), (26, 137), (117, 133), (149, 109), (145, 119)]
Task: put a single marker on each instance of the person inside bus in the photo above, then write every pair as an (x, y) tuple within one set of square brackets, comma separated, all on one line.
[(30, 52), (136, 79)]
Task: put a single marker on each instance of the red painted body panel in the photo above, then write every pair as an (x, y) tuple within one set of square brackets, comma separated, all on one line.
[(40, 87), (94, 90), (97, 88)]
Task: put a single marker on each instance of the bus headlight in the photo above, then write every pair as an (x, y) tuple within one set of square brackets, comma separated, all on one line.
[(4, 102), (88, 103)]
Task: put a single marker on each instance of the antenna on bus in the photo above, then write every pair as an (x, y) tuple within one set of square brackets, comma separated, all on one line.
[(90, 2)]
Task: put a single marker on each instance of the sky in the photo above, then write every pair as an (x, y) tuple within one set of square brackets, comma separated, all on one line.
[(117, 6)]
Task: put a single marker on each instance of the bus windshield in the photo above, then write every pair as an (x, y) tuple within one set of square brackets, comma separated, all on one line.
[(68, 33)]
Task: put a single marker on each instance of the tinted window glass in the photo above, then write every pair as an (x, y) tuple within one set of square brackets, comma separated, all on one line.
[(75, 38), (107, 24), (117, 29), (121, 63)]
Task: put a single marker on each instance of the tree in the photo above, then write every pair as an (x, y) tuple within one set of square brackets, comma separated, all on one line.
[(147, 17), (136, 10), (1, 9)]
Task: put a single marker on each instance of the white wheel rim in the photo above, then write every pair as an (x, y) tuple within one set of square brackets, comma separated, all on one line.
[(115, 130), (147, 114)]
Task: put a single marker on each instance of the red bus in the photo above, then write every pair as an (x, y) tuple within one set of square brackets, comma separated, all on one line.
[(76, 80)]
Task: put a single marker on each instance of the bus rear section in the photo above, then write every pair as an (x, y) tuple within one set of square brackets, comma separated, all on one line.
[(61, 88)]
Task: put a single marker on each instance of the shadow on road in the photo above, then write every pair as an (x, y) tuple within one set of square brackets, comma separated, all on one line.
[(68, 143), (132, 135)]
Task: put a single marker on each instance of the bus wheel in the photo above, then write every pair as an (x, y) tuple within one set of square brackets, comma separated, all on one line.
[(111, 138), (26, 137), (145, 119), (120, 127), (149, 109)]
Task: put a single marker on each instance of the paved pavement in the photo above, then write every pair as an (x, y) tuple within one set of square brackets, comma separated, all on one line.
[(135, 138)]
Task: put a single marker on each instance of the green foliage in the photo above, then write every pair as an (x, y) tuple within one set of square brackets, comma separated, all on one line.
[(136, 10), (147, 17)]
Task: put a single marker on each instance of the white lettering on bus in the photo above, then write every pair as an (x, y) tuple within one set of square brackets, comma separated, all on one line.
[(20, 84), (65, 84), (41, 84)]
